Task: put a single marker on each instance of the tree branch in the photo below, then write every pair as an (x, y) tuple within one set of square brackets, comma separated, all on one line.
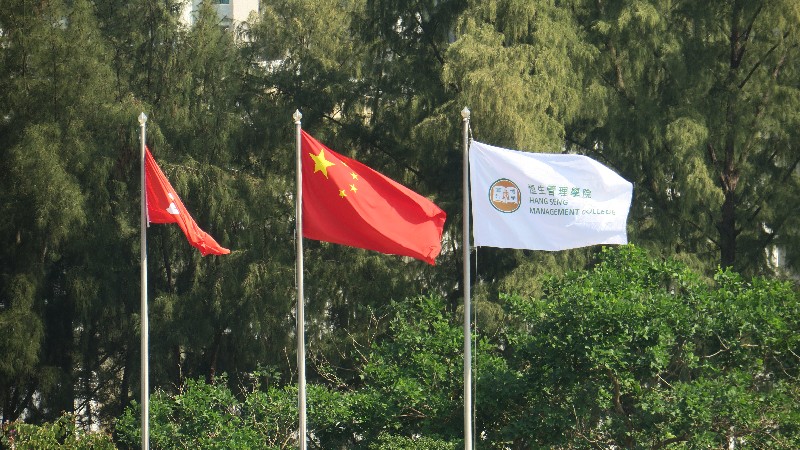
[(674, 440)]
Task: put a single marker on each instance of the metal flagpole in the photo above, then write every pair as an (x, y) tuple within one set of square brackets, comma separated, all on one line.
[(301, 344), (145, 393), (467, 294)]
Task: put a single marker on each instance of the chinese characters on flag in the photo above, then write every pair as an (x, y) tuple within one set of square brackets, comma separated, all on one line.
[(545, 201)]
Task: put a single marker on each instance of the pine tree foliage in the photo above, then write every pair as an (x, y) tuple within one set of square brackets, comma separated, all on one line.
[(518, 63), (60, 123), (697, 113), (695, 103)]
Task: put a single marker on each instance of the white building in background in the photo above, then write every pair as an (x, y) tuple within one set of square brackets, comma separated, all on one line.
[(778, 261), (230, 12)]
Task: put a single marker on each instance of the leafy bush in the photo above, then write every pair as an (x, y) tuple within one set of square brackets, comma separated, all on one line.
[(642, 353), (392, 442), (633, 353), (63, 434), (201, 416)]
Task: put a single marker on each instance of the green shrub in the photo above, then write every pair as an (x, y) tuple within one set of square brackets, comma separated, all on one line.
[(63, 434)]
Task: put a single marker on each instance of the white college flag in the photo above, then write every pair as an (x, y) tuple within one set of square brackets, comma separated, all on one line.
[(545, 201)]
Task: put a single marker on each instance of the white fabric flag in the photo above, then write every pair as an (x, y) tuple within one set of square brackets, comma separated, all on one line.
[(545, 201)]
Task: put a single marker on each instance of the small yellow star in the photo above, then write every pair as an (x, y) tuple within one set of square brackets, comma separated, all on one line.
[(354, 175), (320, 163), (353, 188), (342, 193)]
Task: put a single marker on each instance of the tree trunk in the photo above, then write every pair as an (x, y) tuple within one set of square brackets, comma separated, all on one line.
[(729, 175), (214, 355), (125, 382), (727, 231)]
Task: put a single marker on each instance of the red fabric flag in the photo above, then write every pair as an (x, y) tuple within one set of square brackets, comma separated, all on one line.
[(164, 206), (346, 202)]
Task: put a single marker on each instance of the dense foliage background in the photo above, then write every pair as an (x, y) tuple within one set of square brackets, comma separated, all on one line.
[(648, 346)]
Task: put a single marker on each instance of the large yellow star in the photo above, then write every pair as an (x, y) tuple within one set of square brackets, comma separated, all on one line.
[(320, 163)]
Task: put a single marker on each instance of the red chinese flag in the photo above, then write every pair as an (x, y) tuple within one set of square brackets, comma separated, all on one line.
[(164, 206), (346, 202)]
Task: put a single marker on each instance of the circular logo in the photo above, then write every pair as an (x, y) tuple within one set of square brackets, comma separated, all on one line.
[(505, 196)]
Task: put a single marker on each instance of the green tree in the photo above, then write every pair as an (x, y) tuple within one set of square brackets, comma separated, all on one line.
[(519, 66), (409, 398), (212, 416), (313, 57), (63, 433), (640, 353), (21, 345), (693, 104), (417, 370), (60, 127), (202, 416)]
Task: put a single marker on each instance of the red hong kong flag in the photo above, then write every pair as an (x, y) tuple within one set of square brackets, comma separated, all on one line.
[(164, 206), (346, 202)]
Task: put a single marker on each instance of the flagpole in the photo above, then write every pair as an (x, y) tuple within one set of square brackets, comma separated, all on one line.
[(145, 384), (301, 345), (467, 294)]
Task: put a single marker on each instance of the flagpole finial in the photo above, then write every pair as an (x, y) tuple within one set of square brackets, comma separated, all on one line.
[(465, 113), (297, 116), (142, 118)]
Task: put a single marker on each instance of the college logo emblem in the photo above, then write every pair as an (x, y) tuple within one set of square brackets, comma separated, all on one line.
[(505, 196)]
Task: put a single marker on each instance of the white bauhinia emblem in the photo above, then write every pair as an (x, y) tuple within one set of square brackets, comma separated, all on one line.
[(172, 208)]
